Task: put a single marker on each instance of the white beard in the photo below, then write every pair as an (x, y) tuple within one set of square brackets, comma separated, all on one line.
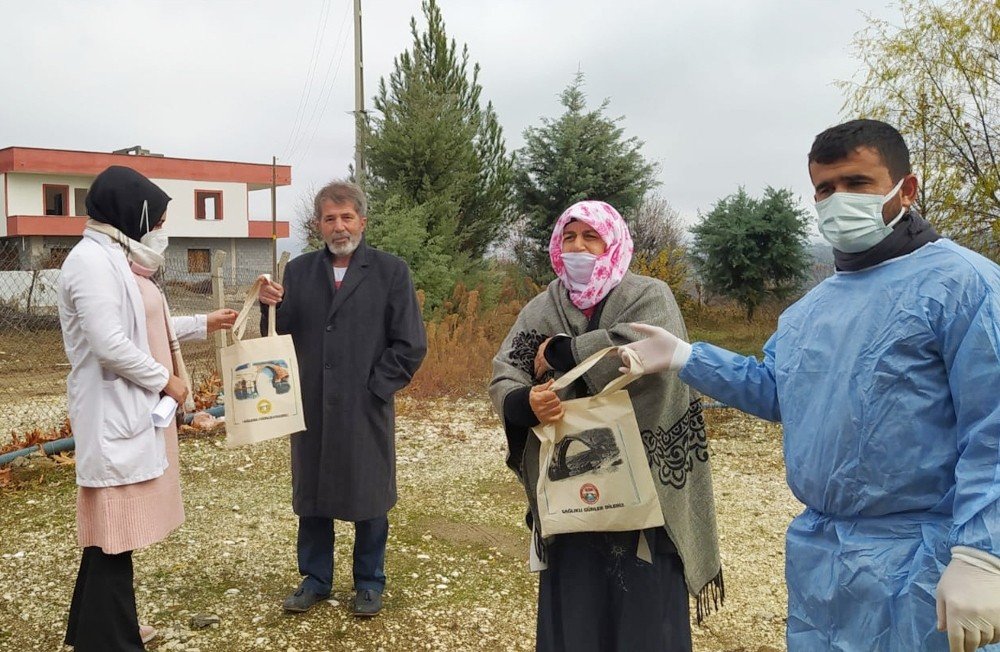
[(345, 249)]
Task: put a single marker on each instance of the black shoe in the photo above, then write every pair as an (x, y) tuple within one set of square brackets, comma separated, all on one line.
[(367, 603), (303, 599)]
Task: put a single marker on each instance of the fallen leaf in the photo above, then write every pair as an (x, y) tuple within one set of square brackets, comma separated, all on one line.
[(64, 458)]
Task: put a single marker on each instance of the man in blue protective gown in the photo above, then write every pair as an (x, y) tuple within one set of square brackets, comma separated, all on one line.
[(886, 378)]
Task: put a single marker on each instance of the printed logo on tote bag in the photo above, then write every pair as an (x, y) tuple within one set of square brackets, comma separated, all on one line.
[(593, 471), (261, 380)]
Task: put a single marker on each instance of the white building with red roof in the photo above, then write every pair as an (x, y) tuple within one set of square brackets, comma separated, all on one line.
[(42, 209)]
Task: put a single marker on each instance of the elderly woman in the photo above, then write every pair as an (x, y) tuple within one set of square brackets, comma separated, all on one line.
[(595, 593), (122, 345)]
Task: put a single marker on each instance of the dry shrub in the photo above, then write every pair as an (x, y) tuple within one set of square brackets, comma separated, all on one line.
[(462, 341), (725, 324), (670, 266)]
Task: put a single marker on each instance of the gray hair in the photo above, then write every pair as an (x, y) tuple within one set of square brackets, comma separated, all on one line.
[(340, 192)]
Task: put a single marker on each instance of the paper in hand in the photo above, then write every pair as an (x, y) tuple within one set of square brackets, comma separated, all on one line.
[(164, 412)]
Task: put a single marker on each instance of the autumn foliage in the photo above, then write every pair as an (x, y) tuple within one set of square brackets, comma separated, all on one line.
[(36, 437), (462, 341)]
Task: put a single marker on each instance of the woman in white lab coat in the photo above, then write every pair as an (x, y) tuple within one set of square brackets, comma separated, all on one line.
[(122, 346)]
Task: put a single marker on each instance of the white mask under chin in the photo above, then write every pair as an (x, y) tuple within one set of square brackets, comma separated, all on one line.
[(579, 269)]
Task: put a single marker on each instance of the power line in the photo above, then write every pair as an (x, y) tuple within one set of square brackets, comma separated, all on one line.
[(327, 87), (310, 75)]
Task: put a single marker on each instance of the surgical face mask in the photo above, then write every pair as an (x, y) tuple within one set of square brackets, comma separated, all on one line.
[(852, 222), (156, 240), (579, 269)]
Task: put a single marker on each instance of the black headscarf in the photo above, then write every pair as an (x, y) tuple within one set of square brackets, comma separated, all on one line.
[(116, 198), (909, 234)]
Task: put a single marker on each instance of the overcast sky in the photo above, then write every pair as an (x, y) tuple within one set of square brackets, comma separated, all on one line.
[(724, 93)]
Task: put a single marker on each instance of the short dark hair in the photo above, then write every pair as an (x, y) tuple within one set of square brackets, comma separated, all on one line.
[(839, 142), (341, 192)]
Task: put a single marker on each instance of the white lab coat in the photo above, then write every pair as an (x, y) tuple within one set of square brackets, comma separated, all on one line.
[(115, 382)]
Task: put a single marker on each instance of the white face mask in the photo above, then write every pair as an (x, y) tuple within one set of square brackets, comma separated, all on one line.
[(852, 222), (156, 240), (579, 269)]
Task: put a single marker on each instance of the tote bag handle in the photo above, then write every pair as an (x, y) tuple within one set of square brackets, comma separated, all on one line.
[(241, 321), (635, 371)]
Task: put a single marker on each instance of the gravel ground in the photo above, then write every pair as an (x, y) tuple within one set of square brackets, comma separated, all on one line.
[(458, 577)]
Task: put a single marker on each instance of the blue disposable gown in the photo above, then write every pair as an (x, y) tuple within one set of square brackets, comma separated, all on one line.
[(887, 383)]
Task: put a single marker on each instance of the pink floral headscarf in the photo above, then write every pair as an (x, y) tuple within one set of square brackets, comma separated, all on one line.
[(611, 266)]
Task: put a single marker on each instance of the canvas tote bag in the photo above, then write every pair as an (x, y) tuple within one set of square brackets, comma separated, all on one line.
[(261, 380), (593, 474)]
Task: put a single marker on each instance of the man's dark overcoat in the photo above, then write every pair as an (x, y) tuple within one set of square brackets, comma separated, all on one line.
[(356, 346)]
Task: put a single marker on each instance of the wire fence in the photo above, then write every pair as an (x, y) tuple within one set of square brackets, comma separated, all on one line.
[(33, 364)]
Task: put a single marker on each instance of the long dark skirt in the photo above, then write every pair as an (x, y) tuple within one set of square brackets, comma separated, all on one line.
[(102, 616), (597, 596)]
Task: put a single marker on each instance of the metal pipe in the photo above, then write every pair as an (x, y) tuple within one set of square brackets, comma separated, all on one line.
[(49, 448)]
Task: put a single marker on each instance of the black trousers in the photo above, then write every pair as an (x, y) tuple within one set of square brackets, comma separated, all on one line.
[(102, 616), (596, 596)]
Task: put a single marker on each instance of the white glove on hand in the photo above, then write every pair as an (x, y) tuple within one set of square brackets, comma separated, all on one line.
[(968, 599), (659, 351)]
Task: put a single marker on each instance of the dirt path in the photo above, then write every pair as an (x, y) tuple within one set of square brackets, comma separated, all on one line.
[(457, 575)]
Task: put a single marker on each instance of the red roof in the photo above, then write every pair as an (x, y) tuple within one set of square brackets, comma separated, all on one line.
[(59, 161)]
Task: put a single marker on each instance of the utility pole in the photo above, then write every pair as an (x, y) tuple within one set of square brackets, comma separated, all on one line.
[(359, 99), (274, 218)]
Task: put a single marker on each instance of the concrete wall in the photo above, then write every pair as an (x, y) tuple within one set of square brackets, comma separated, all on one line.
[(181, 211), (245, 258), (252, 257), (36, 251), (25, 198), (25, 192), (3, 208)]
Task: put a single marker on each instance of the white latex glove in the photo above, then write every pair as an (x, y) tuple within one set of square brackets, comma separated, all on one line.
[(968, 599), (659, 351)]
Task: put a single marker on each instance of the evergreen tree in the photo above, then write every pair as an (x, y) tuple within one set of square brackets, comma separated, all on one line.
[(750, 249), (580, 155), (438, 171)]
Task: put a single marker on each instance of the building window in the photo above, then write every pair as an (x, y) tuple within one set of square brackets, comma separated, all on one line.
[(208, 204), (80, 201), (199, 261), (56, 199)]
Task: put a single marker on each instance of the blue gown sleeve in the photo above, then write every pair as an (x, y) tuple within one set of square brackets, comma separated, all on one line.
[(971, 350), (737, 380)]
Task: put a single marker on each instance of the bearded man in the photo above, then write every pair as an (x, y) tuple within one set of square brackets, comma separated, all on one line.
[(355, 320)]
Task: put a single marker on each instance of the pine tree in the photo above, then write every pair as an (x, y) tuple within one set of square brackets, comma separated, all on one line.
[(438, 170), (580, 155), (750, 250)]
